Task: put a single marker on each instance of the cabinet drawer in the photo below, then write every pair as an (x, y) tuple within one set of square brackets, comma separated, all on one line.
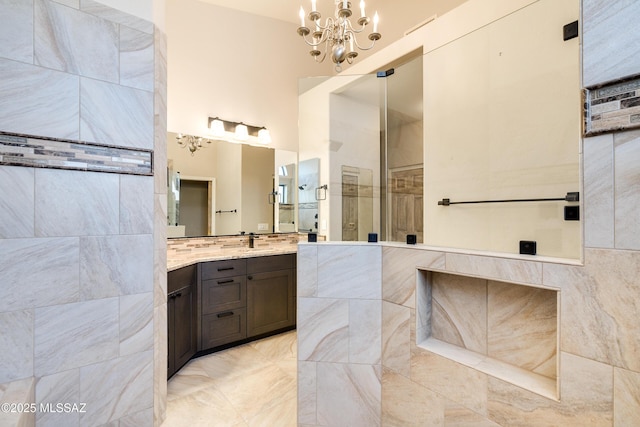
[(271, 263), (225, 268), (224, 328), (224, 293)]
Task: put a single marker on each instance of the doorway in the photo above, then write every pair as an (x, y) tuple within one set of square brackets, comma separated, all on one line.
[(197, 206), (194, 197)]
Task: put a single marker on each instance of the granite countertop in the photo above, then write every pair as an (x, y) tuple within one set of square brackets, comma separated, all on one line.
[(179, 260)]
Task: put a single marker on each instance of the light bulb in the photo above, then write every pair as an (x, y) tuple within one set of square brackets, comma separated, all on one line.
[(264, 136), (217, 128), (242, 132)]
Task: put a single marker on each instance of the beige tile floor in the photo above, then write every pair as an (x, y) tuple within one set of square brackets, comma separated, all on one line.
[(250, 385)]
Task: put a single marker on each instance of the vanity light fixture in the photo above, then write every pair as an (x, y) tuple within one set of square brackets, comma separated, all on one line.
[(242, 132), (193, 143), (226, 130), (337, 34)]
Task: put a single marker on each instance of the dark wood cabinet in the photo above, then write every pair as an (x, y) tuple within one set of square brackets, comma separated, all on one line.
[(270, 294), (181, 317), (216, 304)]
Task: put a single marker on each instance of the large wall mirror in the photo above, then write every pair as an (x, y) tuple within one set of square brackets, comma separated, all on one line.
[(226, 188)]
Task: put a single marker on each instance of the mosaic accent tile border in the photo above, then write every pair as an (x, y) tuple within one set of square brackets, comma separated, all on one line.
[(40, 152), (612, 106)]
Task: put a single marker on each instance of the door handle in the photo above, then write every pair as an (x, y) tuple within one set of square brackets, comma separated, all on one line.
[(225, 314)]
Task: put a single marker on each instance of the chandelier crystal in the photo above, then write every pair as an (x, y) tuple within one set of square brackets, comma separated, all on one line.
[(337, 35)]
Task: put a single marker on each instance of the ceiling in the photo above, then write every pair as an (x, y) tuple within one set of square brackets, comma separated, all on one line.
[(285, 10), (405, 99)]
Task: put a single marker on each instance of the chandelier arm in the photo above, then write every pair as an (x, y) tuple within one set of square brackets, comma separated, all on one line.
[(324, 37), (329, 23), (323, 56), (356, 30), (310, 43), (355, 41)]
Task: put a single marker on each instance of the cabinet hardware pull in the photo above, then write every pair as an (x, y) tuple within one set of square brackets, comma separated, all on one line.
[(225, 314), (250, 277), (225, 269), (222, 282), (179, 294)]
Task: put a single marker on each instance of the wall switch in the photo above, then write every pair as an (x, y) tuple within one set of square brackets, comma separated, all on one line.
[(263, 226)]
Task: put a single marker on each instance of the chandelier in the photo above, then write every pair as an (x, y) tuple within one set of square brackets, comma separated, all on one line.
[(193, 143), (338, 34)]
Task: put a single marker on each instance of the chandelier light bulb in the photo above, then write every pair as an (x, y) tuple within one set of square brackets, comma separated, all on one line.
[(301, 16), (362, 14), (375, 22)]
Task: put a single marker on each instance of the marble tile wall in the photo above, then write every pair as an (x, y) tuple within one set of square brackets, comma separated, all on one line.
[(609, 42), (339, 334), (80, 251), (159, 206), (598, 378)]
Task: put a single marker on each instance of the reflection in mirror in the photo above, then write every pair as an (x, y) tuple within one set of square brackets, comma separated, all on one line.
[(173, 202), (404, 153), (308, 181), (357, 203), (223, 189), (286, 197)]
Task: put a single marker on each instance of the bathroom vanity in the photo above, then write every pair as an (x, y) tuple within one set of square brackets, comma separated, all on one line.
[(224, 296)]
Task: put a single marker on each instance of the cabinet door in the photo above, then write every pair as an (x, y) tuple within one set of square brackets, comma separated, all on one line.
[(270, 302), (171, 345), (184, 325)]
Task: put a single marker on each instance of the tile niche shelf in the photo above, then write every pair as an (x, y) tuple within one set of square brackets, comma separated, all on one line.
[(505, 330)]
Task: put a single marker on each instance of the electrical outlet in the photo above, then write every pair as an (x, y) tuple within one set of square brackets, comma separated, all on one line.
[(263, 226)]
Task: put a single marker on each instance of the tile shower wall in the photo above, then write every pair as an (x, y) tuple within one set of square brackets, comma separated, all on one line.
[(80, 252)]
